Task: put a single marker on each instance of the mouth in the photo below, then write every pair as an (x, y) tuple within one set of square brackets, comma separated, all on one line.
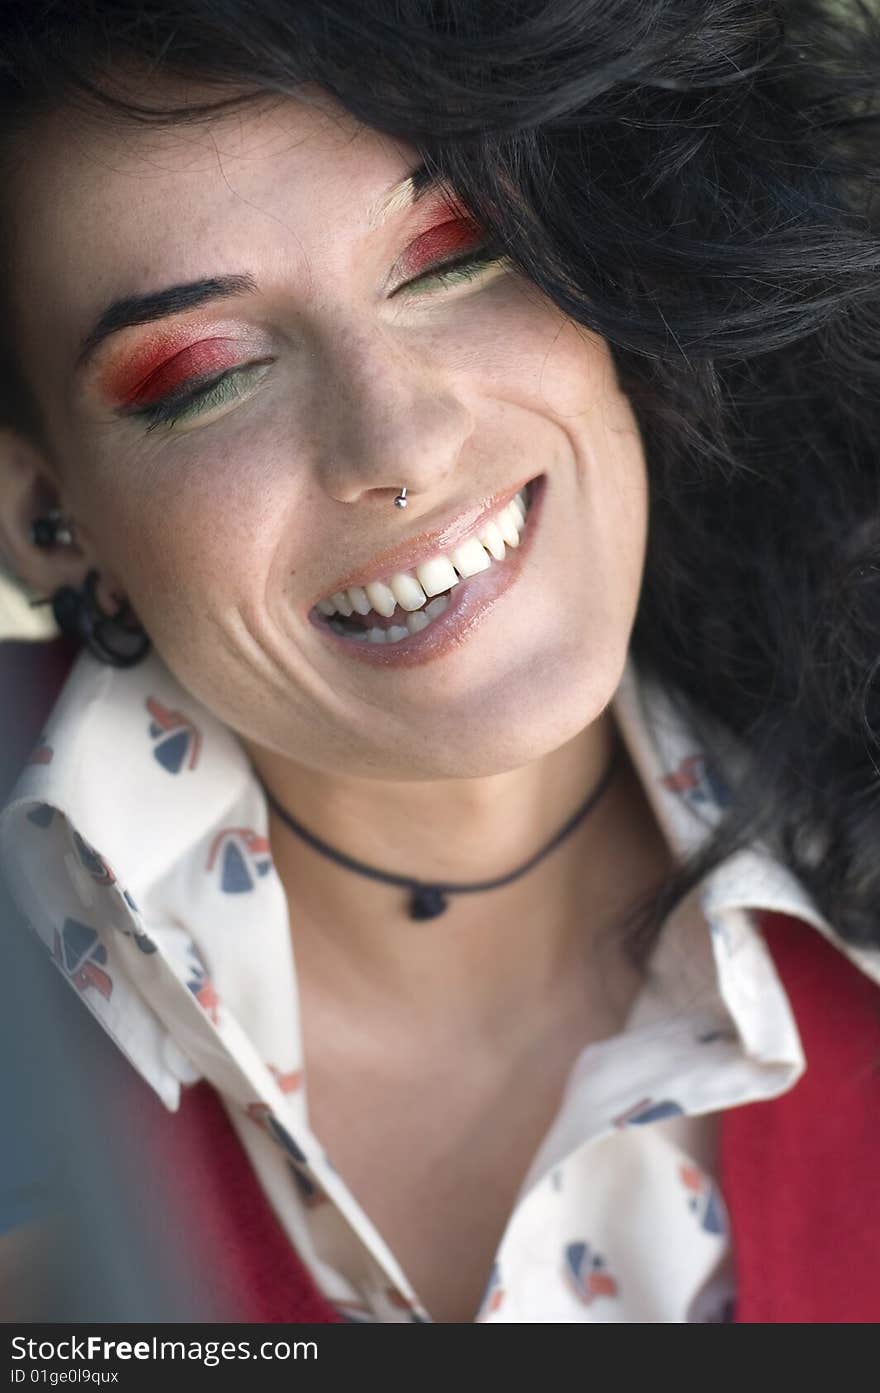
[(418, 614)]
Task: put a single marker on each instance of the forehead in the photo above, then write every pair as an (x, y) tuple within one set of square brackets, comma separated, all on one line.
[(97, 210)]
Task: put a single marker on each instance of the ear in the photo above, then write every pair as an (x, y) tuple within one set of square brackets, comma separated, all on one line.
[(28, 490)]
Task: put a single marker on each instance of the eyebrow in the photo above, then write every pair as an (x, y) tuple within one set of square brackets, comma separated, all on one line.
[(176, 299)]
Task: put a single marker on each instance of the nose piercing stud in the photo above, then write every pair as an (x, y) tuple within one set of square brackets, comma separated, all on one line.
[(400, 500)]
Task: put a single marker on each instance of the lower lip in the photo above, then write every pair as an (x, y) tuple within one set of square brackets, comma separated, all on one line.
[(471, 602)]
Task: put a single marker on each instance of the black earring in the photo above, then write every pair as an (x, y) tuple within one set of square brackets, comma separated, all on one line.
[(52, 530), (116, 639)]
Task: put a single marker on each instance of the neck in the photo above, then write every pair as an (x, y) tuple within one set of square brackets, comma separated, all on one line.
[(491, 952)]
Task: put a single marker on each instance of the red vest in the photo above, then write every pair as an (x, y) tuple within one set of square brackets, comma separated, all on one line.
[(798, 1173)]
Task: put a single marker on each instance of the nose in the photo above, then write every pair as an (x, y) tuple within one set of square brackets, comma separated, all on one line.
[(388, 418)]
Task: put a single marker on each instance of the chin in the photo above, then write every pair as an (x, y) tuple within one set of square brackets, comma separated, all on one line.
[(503, 730)]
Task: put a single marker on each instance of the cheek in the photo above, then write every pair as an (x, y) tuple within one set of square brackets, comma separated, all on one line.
[(519, 345), (196, 543), (566, 374), (577, 372)]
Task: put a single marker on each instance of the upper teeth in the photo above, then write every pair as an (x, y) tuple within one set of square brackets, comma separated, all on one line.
[(412, 589)]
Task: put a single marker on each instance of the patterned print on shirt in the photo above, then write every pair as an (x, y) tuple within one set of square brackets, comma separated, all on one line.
[(264, 1117), (209, 1001), (720, 929), (493, 1296), (697, 781), (176, 740), (703, 1198), (288, 1083), (201, 986), (310, 1193), (142, 940), (585, 1273), (41, 753), (242, 857), (79, 954), (647, 1110), (42, 815), (95, 865)]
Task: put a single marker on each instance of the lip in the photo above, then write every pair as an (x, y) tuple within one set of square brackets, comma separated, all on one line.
[(405, 556), (471, 602)]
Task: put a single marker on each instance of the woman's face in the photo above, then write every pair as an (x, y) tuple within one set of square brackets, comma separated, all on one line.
[(352, 369)]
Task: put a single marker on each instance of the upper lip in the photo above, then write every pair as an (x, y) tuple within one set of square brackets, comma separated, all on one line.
[(405, 556)]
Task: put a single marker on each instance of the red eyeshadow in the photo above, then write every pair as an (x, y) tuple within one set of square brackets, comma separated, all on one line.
[(440, 244), (163, 363)]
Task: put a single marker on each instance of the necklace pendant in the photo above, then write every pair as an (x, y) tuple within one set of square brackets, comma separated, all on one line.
[(427, 902)]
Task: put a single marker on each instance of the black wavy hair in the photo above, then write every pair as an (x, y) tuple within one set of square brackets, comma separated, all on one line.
[(694, 181)]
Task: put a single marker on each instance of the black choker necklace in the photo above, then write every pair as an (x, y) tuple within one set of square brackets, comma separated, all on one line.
[(428, 900)]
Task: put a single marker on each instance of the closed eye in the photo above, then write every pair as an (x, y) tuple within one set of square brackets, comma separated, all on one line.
[(232, 385), (227, 389), (462, 268)]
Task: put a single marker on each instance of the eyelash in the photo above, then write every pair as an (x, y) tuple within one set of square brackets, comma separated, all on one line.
[(177, 406)]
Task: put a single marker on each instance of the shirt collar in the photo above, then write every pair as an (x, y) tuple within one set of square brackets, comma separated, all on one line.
[(135, 842), (688, 796)]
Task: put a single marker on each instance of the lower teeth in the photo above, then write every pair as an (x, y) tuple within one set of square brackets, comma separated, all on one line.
[(416, 620)]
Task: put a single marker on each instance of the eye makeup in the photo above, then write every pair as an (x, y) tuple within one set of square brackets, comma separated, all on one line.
[(216, 394), (440, 243), (168, 377), (163, 363)]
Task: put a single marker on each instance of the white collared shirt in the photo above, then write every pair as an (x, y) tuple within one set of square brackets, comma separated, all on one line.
[(135, 843)]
